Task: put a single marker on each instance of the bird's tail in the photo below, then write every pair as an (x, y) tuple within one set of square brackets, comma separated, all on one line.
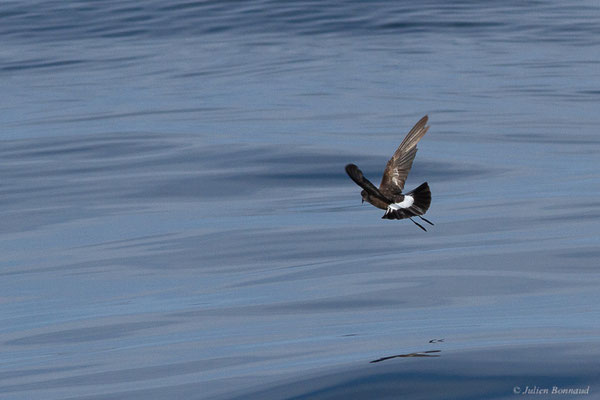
[(422, 196)]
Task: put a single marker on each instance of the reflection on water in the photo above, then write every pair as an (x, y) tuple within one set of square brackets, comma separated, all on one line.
[(428, 353), (177, 222)]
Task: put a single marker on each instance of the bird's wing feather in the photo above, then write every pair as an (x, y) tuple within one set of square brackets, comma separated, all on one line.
[(399, 165), (357, 176)]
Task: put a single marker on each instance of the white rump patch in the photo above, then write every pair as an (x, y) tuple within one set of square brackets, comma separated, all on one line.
[(407, 202)]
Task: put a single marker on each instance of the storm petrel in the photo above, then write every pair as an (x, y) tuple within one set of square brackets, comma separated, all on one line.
[(389, 196)]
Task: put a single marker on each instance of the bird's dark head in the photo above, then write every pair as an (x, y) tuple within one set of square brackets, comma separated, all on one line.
[(365, 196)]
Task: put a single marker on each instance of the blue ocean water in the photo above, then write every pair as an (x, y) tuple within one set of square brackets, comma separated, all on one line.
[(177, 222)]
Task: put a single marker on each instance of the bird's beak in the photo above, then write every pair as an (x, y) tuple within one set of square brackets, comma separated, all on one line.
[(362, 201)]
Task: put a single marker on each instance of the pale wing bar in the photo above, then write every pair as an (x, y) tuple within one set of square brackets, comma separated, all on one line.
[(399, 165)]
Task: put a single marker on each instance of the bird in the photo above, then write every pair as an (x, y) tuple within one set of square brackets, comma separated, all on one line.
[(389, 196)]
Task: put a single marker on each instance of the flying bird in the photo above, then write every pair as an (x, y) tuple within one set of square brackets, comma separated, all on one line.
[(389, 196)]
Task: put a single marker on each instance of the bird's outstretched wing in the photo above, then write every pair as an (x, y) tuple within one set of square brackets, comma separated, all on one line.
[(398, 167), (357, 176)]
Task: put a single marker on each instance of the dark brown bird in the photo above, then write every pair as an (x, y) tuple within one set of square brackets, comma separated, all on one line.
[(389, 196)]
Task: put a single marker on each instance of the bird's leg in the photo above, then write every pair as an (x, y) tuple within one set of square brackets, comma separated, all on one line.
[(426, 220), (417, 224)]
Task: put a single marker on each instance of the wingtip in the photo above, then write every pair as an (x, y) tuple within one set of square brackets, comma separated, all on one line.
[(352, 171)]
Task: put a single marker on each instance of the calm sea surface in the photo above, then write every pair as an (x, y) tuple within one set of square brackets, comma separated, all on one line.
[(176, 222)]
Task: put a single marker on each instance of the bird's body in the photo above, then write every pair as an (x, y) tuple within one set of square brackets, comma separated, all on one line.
[(389, 195)]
